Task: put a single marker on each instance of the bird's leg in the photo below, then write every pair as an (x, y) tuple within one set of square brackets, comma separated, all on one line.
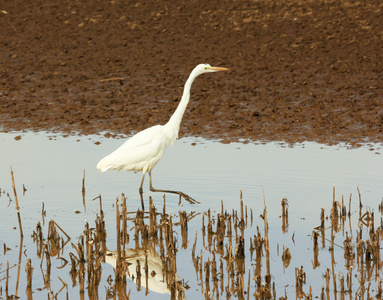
[(183, 195), (141, 192)]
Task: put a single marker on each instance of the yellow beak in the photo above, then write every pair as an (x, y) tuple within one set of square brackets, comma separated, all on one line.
[(217, 69)]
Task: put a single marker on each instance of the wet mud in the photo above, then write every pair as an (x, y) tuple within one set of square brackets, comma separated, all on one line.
[(300, 70)]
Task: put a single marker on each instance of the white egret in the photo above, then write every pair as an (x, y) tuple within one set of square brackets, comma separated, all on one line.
[(143, 151)]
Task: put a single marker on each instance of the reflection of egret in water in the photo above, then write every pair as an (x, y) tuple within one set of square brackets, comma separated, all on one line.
[(151, 262), (146, 268)]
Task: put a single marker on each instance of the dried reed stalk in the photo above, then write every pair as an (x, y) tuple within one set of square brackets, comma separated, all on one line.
[(17, 204), (7, 279), (266, 244), (83, 192), (285, 215), (29, 271)]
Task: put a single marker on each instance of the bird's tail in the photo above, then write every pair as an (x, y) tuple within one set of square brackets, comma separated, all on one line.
[(103, 166)]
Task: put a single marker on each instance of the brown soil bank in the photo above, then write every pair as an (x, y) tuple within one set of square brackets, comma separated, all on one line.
[(300, 70)]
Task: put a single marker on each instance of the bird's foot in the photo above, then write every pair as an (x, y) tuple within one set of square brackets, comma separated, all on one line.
[(181, 194), (187, 198)]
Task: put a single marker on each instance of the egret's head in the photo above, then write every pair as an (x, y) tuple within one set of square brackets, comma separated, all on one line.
[(206, 68)]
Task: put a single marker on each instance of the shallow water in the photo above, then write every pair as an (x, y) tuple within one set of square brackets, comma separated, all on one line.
[(52, 171)]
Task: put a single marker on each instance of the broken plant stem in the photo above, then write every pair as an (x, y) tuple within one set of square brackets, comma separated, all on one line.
[(17, 204)]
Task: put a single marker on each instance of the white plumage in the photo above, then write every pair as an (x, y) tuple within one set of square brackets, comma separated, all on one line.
[(139, 153), (143, 151)]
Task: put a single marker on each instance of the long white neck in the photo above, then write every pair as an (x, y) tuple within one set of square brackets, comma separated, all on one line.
[(173, 125)]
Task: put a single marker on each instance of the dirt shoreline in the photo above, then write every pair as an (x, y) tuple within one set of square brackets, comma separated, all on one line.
[(300, 70)]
